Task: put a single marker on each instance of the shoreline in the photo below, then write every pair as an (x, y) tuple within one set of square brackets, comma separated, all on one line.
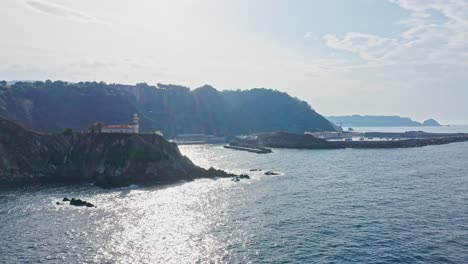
[(306, 141)]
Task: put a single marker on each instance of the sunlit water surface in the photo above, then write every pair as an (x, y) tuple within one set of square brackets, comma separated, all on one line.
[(340, 206)]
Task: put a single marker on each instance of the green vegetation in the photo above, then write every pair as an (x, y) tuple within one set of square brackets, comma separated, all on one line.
[(172, 109), (67, 132), (96, 127)]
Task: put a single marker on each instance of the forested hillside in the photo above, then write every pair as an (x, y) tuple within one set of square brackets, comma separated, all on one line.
[(173, 109)]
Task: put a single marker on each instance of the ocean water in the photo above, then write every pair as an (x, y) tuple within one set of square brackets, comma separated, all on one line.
[(326, 206)]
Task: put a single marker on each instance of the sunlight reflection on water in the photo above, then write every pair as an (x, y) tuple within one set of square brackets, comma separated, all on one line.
[(179, 221), (342, 206)]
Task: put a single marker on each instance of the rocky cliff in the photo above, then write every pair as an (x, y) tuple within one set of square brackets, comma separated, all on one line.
[(108, 160)]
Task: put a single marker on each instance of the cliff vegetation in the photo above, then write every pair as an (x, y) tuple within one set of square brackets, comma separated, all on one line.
[(172, 109)]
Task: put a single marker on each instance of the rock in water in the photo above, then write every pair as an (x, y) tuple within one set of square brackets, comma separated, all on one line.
[(271, 173), (79, 202), (107, 160)]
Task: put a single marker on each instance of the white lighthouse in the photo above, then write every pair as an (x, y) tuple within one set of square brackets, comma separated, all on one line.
[(136, 124)]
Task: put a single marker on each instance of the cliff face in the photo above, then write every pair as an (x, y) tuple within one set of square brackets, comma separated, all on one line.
[(108, 160)]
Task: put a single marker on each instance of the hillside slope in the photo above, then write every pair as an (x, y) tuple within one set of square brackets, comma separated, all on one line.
[(54, 106)]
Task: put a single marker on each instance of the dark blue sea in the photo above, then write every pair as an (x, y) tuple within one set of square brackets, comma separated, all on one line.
[(326, 206)]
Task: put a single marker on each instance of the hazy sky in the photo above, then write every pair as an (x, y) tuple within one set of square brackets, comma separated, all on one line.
[(404, 57)]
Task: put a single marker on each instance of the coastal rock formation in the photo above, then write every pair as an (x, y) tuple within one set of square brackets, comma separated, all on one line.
[(108, 160), (291, 140), (76, 202), (307, 141), (79, 202)]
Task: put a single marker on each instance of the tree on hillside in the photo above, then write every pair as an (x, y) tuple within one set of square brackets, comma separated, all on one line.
[(96, 127), (172, 109), (67, 132)]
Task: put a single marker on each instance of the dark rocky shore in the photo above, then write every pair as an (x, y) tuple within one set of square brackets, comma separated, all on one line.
[(306, 141), (107, 160)]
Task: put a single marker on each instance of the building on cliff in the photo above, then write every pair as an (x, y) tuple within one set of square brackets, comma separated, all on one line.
[(134, 128)]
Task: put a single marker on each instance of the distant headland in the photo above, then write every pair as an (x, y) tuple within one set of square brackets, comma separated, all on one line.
[(313, 141), (379, 121)]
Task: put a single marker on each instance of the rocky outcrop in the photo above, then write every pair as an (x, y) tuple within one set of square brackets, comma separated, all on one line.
[(291, 140), (79, 202), (75, 202), (108, 160), (307, 141)]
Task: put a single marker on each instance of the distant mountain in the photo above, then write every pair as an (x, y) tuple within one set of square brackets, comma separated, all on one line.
[(379, 121), (431, 122), (172, 109)]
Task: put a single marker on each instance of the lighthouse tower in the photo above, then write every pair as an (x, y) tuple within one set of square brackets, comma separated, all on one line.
[(136, 124)]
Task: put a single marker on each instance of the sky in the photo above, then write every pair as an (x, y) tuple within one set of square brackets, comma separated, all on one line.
[(376, 57)]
